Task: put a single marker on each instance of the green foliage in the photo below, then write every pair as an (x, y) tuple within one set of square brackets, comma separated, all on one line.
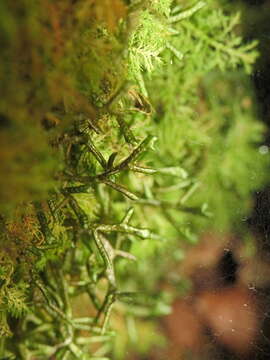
[(122, 141), (236, 164), (146, 43)]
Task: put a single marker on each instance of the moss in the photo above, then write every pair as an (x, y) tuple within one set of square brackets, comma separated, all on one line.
[(109, 122)]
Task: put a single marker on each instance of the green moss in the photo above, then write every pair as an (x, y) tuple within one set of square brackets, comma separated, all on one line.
[(119, 140)]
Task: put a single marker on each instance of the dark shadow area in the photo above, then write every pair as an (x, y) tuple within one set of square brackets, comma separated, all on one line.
[(257, 26), (228, 267)]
